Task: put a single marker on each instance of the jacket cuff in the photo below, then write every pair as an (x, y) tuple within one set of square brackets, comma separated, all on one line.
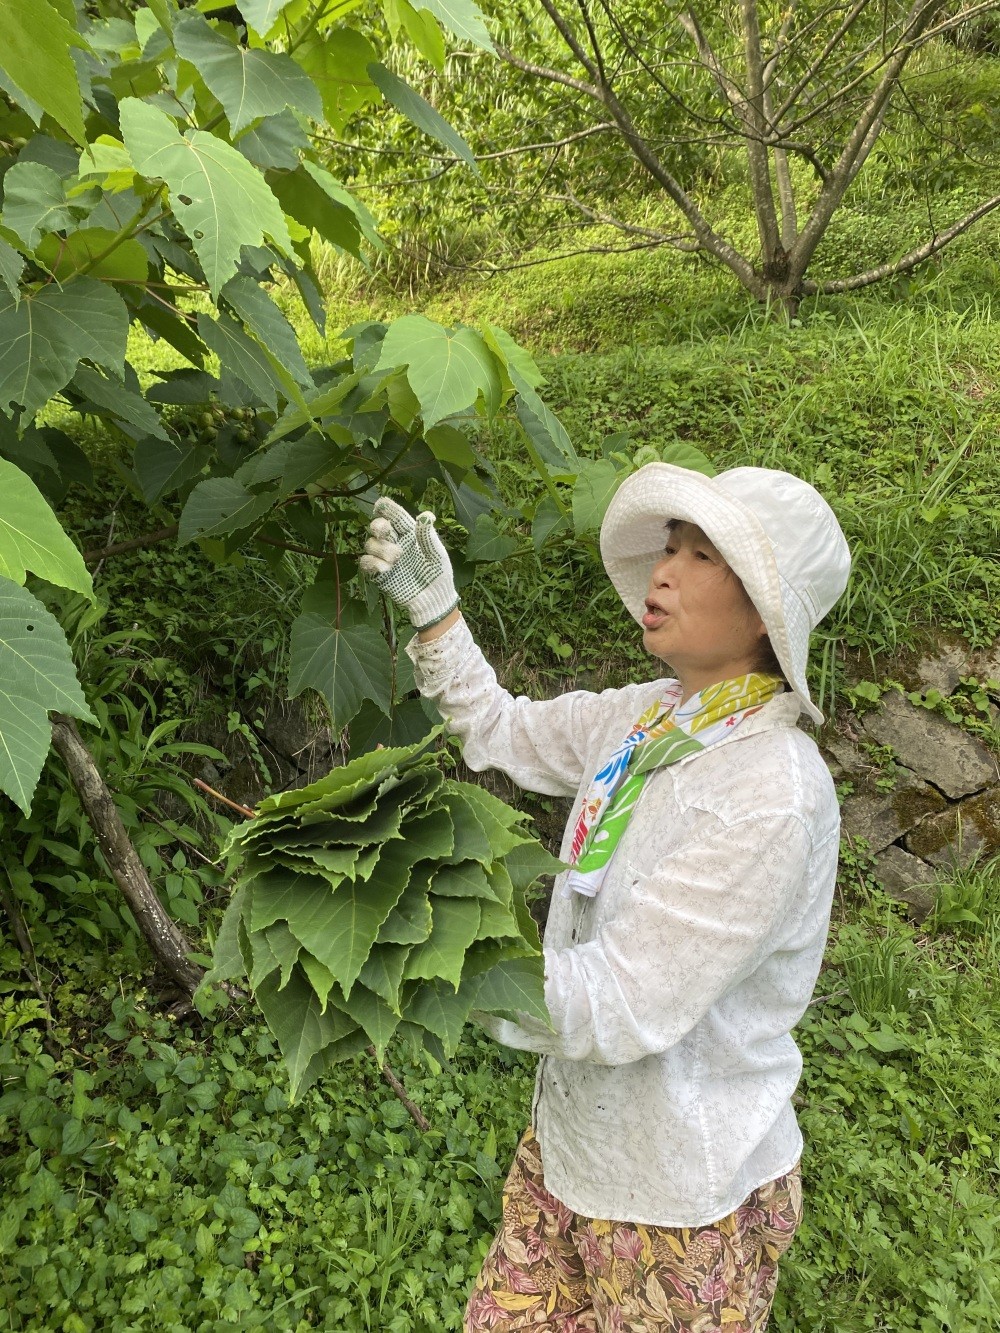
[(437, 659)]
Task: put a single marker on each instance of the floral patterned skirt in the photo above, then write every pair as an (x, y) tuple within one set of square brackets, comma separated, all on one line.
[(550, 1268)]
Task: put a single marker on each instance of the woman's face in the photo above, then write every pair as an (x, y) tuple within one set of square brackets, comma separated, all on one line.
[(699, 618)]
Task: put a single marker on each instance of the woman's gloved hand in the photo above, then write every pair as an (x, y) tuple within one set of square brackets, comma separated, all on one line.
[(405, 558)]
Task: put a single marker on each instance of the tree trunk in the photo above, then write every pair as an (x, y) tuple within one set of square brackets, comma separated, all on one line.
[(166, 940)]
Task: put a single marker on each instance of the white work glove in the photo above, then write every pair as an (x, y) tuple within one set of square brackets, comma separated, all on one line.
[(405, 558)]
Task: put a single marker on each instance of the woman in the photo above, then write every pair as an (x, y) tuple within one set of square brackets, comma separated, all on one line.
[(659, 1181)]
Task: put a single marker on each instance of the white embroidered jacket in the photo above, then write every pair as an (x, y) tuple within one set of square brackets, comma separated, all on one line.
[(664, 1095)]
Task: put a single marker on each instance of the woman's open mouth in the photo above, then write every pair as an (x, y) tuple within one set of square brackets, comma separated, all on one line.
[(653, 619)]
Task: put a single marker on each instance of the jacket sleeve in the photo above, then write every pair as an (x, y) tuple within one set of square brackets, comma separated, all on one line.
[(691, 930), (541, 744)]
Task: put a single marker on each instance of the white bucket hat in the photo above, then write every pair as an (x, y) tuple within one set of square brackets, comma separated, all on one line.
[(775, 531)]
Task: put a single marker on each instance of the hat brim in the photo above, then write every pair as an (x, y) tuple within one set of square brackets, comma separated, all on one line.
[(633, 535)]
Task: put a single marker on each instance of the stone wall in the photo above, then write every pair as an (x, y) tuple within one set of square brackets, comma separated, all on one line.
[(933, 802)]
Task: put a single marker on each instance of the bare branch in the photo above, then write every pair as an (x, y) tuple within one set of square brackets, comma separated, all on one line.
[(730, 91), (553, 75), (760, 173), (956, 20), (493, 269), (594, 44), (806, 78), (859, 142), (133, 544), (907, 263), (680, 241), (708, 237), (480, 157), (569, 37)]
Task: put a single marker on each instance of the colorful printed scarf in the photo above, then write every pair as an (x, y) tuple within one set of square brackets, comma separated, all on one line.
[(663, 734)]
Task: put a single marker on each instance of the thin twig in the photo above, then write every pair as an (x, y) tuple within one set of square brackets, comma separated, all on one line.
[(417, 1116), (233, 805)]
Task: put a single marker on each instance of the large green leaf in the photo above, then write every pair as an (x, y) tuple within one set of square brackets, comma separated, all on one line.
[(418, 110), (262, 14), (99, 251), (11, 268), (249, 82), (438, 1006), (463, 17), (337, 62), (529, 862), (242, 356), (161, 466), (220, 506), (409, 922), (370, 1012), (35, 54), (108, 396), (276, 141), (342, 932), (596, 482), (44, 338), (448, 371), (346, 666), (333, 189), (36, 675), (301, 1028), (518, 984), (31, 537), (454, 925), (219, 198), (227, 958), (471, 841), (383, 972), (496, 922), (487, 543), (333, 790), (34, 202), (304, 198), (465, 880), (287, 895), (253, 305)]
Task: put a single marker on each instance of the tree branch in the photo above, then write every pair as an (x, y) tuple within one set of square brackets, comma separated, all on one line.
[(710, 240), (569, 37), (166, 940), (760, 172), (805, 79), (680, 241), (133, 544), (859, 143), (553, 75), (480, 157), (907, 263)]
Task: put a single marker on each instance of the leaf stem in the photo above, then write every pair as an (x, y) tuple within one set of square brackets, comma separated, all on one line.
[(126, 233), (542, 471)]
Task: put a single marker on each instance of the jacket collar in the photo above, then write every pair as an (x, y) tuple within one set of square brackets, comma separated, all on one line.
[(781, 710)]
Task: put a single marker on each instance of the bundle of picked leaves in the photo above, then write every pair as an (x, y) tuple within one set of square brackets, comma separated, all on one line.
[(384, 900)]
